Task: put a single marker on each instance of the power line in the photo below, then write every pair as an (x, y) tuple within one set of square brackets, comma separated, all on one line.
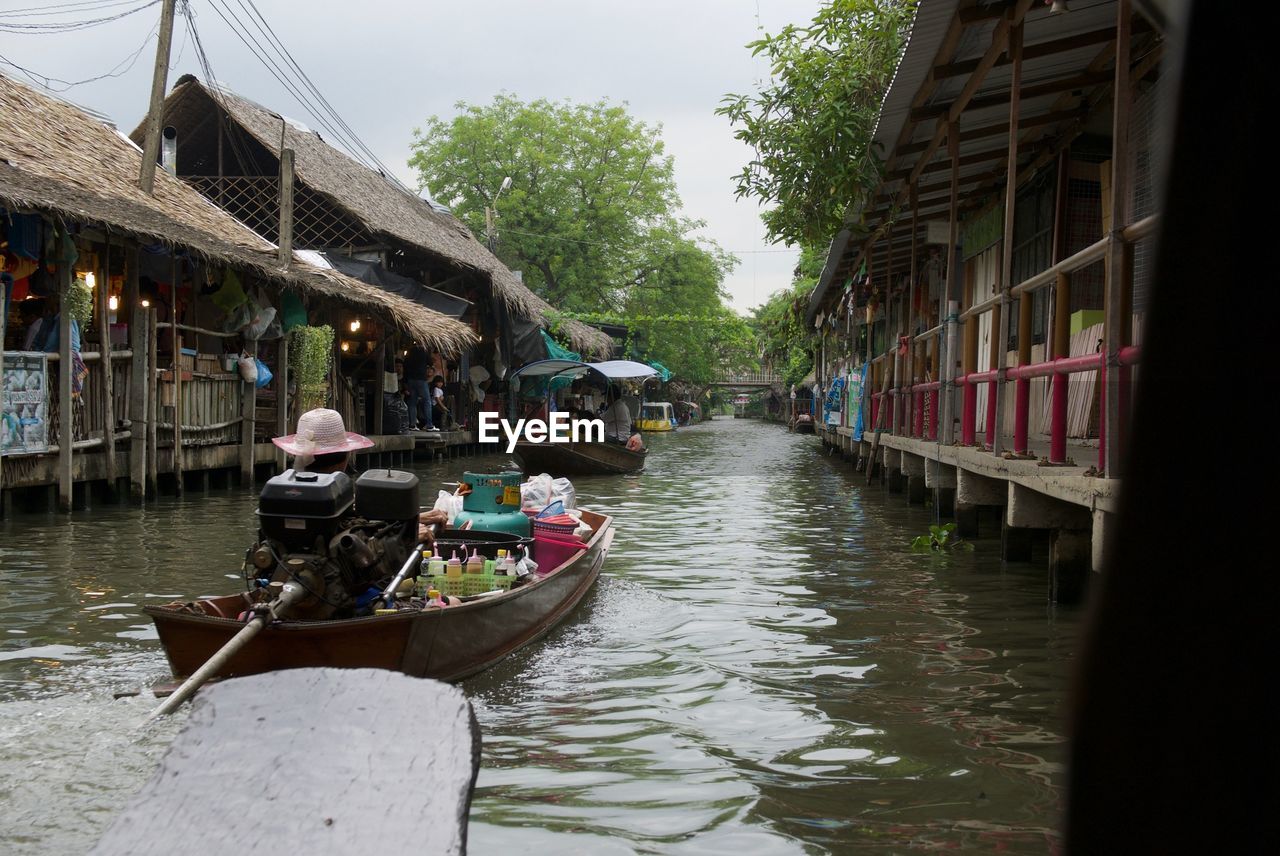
[(55, 9), (116, 71), (298, 85), (53, 27)]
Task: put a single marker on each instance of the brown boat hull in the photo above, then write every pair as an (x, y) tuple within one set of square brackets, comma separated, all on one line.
[(447, 644), (577, 459)]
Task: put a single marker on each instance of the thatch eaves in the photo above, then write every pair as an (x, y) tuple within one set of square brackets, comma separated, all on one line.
[(379, 203), (56, 159)]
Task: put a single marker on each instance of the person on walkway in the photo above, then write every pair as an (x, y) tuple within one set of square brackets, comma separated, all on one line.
[(416, 366), (322, 443), (439, 411)]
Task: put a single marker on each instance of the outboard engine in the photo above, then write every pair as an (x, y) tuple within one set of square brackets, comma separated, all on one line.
[(336, 538)]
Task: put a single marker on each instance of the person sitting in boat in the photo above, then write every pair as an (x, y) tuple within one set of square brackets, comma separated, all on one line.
[(322, 443), (617, 417)]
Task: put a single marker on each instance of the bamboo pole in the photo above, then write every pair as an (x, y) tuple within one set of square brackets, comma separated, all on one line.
[(153, 401), (177, 403), (139, 408)]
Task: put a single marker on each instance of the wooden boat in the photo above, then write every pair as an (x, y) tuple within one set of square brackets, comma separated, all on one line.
[(656, 416), (447, 644), (803, 424), (572, 459)]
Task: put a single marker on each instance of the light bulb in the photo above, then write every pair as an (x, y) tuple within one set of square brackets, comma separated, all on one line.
[(346, 346), (113, 303), (355, 325), (90, 280), (146, 304)]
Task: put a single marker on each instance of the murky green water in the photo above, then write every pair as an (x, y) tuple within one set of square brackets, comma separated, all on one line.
[(763, 668)]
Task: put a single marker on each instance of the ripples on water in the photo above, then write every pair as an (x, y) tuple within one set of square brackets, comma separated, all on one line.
[(763, 668)]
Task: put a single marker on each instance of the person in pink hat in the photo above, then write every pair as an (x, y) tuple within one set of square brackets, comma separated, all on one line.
[(322, 443)]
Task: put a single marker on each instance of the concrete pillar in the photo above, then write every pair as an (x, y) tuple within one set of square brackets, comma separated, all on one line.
[(966, 515), (894, 479), (1070, 557), (973, 492), (944, 502), (913, 468), (1103, 527)]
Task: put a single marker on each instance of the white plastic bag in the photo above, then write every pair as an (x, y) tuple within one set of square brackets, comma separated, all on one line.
[(450, 504), (248, 369), (562, 489), (536, 492)]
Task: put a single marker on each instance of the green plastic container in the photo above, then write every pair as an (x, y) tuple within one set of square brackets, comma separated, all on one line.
[(467, 584)]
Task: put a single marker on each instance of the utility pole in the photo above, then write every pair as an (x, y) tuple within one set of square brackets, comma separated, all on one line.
[(159, 81)]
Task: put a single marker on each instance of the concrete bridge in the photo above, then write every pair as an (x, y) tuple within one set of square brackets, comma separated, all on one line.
[(762, 379)]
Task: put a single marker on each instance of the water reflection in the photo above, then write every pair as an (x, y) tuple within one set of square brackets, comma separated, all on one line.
[(764, 667)]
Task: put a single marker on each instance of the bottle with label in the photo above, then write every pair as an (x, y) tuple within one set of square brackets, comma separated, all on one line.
[(500, 568), (453, 567)]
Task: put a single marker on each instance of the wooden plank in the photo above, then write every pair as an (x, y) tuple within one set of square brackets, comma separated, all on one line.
[(311, 761)]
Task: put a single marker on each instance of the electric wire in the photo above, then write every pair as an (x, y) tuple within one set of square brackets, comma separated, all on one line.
[(54, 27), (47, 81)]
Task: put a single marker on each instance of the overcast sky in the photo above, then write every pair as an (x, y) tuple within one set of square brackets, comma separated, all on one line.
[(385, 65)]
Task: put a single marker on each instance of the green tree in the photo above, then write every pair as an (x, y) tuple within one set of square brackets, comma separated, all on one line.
[(811, 126), (591, 210)]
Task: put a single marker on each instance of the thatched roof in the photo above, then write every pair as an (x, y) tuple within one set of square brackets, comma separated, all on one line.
[(55, 158), (378, 203)]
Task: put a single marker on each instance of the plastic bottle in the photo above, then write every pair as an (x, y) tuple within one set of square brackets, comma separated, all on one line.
[(433, 598), (475, 564), (453, 567), (500, 567)]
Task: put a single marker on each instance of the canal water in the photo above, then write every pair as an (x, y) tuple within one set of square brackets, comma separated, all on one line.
[(764, 667)]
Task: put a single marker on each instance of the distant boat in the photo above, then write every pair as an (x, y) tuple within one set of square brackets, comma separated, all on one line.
[(572, 459), (657, 416)]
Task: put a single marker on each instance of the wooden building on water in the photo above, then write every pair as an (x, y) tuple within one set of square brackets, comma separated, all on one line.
[(994, 283), (362, 221), (144, 395)]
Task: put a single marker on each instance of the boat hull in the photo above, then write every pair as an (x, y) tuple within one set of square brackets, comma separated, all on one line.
[(446, 644), (659, 425), (576, 459)]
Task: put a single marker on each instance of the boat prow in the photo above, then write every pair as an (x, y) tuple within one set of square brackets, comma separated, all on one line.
[(568, 459)]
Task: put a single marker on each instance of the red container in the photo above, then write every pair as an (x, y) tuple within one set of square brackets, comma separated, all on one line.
[(552, 551)]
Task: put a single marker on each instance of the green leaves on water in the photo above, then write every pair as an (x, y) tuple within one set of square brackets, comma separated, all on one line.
[(939, 539)]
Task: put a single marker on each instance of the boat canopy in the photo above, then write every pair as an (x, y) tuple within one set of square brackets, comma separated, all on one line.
[(611, 369)]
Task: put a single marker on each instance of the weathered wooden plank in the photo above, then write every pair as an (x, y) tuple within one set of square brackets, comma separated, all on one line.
[(311, 761)]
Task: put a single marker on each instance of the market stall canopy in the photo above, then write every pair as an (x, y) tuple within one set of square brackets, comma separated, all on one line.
[(393, 283), (611, 369)]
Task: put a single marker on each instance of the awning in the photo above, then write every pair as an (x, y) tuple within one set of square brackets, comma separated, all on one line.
[(376, 275), (611, 369)]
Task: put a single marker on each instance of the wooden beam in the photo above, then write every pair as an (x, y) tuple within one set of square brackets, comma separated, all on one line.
[(1036, 51), (1050, 118), (981, 14), (1048, 87)]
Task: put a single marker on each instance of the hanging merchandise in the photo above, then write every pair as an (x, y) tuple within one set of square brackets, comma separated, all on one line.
[(263, 375), (260, 320), (231, 295), (248, 369)]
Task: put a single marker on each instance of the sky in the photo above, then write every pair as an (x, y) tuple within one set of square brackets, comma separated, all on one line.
[(386, 65)]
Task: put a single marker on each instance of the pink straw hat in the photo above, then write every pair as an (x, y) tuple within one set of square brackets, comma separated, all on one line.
[(321, 432)]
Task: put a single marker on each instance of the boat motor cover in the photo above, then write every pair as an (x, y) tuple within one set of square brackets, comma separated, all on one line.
[(294, 507), (383, 494)]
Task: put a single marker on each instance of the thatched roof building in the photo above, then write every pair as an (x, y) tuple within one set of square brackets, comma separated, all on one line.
[(56, 159), (368, 203)]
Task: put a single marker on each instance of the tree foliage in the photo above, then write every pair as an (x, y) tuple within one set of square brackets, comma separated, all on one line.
[(592, 207), (592, 218), (811, 126)]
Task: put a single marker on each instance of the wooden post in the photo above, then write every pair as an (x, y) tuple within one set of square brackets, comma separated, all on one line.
[(286, 206), (66, 429), (282, 396), (953, 286), (159, 81), (153, 402), (912, 374), (139, 408), (177, 395), (1117, 277), (969, 365), (248, 404), (1000, 320), (379, 388), (995, 358), (108, 394), (1060, 382)]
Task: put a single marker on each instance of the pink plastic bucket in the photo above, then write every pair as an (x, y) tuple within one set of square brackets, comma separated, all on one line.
[(552, 551)]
